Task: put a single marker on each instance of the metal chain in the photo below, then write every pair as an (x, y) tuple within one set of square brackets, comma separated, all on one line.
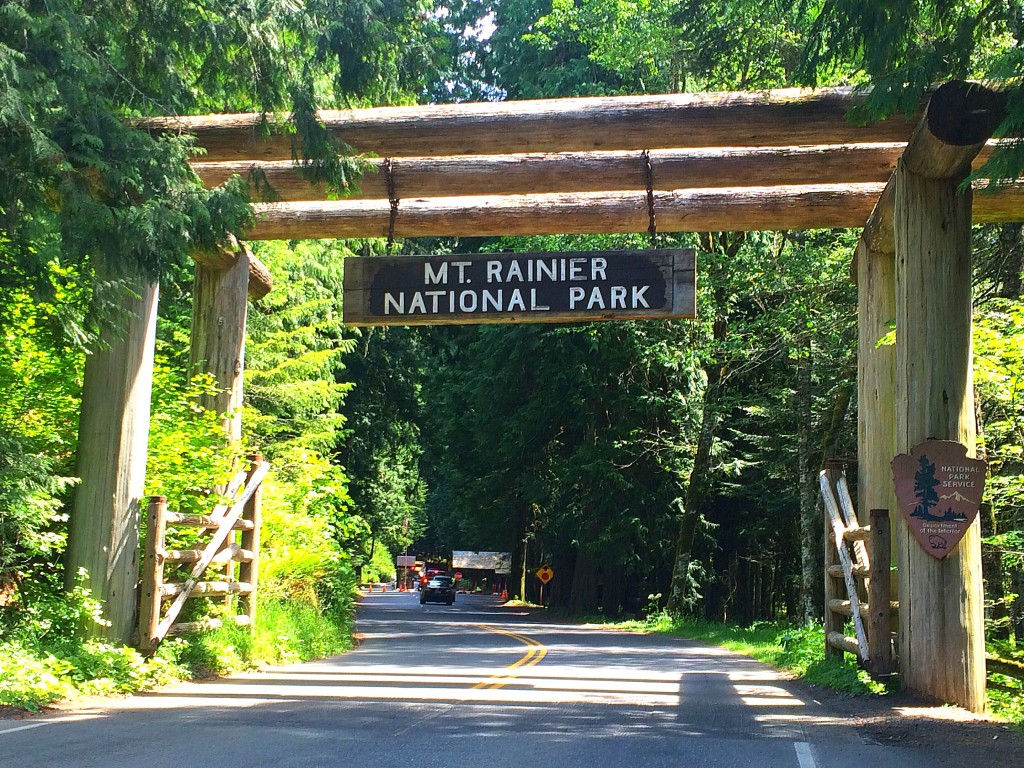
[(389, 177), (652, 226)]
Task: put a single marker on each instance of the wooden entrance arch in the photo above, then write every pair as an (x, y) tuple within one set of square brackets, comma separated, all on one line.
[(786, 159)]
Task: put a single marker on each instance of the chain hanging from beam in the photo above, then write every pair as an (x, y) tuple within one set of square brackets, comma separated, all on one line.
[(389, 177), (652, 226)]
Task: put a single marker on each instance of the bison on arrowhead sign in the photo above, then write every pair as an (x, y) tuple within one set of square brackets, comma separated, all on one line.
[(939, 491)]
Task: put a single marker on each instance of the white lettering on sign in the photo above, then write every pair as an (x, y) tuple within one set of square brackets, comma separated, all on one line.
[(432, 277), (551, 270), (432, 302), (516, 284)]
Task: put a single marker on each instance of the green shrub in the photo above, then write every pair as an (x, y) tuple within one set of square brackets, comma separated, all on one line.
[(44, 658)]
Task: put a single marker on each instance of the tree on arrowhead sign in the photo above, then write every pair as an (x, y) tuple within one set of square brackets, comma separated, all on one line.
[(939, 492)]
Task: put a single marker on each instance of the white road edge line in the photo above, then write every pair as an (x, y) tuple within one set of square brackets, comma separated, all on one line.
[(803, 755), (24, 727)]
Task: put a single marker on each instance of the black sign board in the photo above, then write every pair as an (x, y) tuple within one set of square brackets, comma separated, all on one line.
[(520, 287)]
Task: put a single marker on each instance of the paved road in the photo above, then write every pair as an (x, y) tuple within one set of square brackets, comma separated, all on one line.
[(474, 685)]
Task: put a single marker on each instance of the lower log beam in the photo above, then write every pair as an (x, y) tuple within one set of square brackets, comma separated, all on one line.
[(820, 206), (203, 625), (843, 643), (208, 588)]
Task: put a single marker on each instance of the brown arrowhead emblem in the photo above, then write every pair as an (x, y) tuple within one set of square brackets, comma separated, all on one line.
[(939, 491)]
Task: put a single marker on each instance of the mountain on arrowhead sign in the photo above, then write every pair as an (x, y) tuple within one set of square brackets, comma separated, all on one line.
[(939, 492)]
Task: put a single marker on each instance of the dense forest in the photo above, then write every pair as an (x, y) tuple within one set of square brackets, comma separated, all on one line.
[(652, 464)]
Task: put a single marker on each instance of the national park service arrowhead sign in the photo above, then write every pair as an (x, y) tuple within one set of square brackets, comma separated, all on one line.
[(939, 492)]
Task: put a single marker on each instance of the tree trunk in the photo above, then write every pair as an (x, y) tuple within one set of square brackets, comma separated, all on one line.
[(683, 594), (809, 517), (103, 531), (583, 597)]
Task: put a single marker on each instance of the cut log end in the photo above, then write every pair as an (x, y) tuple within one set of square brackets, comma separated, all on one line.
[(963, 114)]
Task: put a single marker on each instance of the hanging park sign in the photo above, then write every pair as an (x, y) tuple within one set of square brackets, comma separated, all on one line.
[(520, 287)]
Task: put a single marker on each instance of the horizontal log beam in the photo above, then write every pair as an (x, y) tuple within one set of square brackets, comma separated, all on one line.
[(843, 607), (193, 555), (1007, 667), (952, 137), (843, 643), (540, 174), (204, 625), (205, 521), (781, 117), (535, 174), (857, 533), (739, 209), (208, 588), (859, 571)]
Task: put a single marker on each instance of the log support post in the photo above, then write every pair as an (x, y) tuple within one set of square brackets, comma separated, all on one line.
[(103, 532), (223, 281), (876, 374), (879, 629), (218, 334), (248, 572), (152, 573), (942, 633)]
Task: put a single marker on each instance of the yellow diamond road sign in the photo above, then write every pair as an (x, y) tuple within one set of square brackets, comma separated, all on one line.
[(545, 574)]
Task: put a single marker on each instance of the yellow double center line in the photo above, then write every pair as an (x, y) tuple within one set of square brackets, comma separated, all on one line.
[(533, 656)]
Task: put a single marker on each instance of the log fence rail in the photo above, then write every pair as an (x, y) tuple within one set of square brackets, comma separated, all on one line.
[(243, 514), (856, 565)]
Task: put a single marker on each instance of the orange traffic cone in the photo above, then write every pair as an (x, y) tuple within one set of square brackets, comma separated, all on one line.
[(504, 594)]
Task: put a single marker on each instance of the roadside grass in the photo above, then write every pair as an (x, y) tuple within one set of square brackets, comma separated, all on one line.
[(286, 633), (795, 649), (44, 660), (800, 650)]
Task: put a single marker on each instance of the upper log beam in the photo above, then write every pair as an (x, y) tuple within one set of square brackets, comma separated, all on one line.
[(223, 259), (782, 117), (950, 139), (747, 208), (960, 118)]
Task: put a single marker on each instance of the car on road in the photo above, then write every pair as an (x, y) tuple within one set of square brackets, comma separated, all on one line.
[(440, 588)]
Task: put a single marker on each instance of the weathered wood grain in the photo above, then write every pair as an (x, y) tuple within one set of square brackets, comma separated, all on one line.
[(782, 117), (531, 174), (942, 632), (739, 209), (217, 344), (103, 536)]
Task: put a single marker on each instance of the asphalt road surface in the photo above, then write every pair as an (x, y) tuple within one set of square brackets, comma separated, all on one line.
[(474, 685)]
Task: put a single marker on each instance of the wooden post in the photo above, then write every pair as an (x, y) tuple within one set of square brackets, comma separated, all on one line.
[(103, 531), (218, 333), (880, 660), (834, 589), (876, 376), (248, 572), (942, 632), (152, 573)]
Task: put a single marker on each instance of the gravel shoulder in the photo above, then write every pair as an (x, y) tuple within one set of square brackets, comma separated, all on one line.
[(952, 736)]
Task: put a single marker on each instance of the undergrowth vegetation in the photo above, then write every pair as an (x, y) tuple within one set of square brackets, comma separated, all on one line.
[(801, 651)]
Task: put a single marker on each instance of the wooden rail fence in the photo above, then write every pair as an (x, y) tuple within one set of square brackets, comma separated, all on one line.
[(220, 549), (857, 573)]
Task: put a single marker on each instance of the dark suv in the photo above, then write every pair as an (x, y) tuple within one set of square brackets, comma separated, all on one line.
[(439, 589)]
